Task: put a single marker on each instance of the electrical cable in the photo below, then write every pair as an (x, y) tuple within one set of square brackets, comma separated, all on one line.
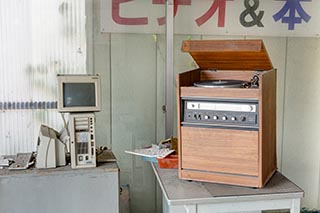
[(65, 124)]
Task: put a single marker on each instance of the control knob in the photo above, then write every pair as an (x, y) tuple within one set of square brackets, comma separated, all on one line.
[(224, 118), (215, 117), (233, 118), (242, 118)]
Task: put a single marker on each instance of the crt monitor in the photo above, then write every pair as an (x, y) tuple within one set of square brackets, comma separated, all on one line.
[(79, 93)]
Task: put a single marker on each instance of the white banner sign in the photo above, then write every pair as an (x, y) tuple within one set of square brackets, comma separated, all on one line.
[(215, 17)]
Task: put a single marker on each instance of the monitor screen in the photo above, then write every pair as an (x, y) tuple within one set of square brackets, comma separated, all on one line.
[(79, 93)]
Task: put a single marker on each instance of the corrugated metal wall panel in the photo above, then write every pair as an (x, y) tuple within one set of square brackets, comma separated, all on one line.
[(38, 40), (15, 50)]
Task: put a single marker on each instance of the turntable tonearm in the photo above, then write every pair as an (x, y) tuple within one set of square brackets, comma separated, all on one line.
[(227, 113)]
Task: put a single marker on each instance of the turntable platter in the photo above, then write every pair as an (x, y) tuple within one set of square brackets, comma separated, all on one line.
[(221, 84)]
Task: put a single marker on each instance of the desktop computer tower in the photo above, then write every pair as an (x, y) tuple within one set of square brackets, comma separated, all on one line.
[(82, 140)]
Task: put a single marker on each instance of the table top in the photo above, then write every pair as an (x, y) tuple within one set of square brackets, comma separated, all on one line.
[(179, 192), (101, 168)]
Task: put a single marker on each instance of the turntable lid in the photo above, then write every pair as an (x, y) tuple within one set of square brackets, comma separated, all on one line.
[(228, 54)]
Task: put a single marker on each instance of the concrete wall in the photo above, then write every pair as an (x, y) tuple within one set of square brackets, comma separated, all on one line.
[(132, 67), (301, 135)]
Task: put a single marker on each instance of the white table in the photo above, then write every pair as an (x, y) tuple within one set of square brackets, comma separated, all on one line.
[(181, 196), (60, 190)]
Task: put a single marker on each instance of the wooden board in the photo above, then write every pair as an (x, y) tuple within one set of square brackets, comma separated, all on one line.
[(234, 93), (225, 74), (228, 54), (267, 124), (240, 180), (220, 150), (182, 80)]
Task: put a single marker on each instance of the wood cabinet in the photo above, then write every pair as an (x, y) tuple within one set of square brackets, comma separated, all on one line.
[(228, 154)]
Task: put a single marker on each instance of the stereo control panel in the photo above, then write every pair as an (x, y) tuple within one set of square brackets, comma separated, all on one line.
[(220, 113)]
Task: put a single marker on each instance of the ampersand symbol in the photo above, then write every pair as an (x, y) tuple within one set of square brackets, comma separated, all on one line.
[(250, 10)]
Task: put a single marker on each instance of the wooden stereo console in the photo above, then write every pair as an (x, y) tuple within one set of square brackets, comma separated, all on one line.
[(227, 113)]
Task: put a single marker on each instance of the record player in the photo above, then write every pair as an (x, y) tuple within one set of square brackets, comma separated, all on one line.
[(227, 113)]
